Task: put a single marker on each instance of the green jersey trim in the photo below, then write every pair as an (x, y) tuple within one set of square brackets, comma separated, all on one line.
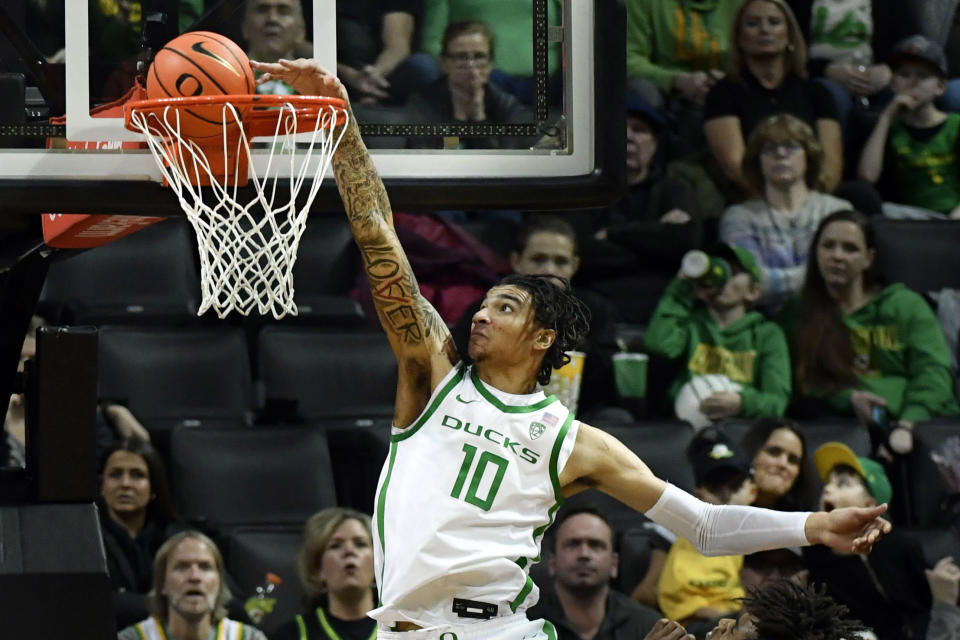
[(412, 429), (380, 506), (527, 588), (302, 626), (505, 408), (549, 629), (557, 490)]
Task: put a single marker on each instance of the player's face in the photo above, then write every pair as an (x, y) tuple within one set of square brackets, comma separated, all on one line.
[(192, 583), (504, 327), (272, 28), (743, 628), (467, 61), (546, 253), (844, 489), (347, 562), (584, 559), (777, 464), (842, 254), (126, 483)]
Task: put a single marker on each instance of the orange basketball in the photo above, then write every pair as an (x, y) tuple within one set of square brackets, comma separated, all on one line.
[(200, 63)]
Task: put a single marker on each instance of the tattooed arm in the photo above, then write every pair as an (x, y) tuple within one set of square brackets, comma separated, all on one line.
[(419, 338)]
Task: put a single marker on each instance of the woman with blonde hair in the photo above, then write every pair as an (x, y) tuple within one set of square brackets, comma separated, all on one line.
[(783, 167), (767, 76), (336, 569)]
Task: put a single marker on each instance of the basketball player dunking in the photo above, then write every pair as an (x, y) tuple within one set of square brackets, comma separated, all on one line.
[(479, 461)]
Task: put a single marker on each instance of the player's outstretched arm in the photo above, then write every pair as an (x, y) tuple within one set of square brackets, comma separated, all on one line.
[(419, 337), (600, 460)]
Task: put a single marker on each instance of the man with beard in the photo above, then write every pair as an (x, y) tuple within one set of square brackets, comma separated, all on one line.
[(189, 597), (582, 563)]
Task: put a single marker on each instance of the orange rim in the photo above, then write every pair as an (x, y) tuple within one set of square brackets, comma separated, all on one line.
[(257, 122)]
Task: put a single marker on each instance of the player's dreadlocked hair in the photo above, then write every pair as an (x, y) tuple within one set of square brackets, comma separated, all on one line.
[(785, 611), (554, 307)]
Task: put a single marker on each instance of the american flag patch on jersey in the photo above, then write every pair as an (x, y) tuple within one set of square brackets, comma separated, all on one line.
[(550, 420)]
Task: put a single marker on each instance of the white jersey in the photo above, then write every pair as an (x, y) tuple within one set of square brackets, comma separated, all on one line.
[(464, 499)]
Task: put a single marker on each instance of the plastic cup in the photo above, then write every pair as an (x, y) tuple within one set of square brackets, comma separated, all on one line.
[(630, 374), (566, 381)]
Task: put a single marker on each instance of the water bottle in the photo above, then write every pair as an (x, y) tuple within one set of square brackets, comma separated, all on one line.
[(706, 271), (861, 62), (261, 605)]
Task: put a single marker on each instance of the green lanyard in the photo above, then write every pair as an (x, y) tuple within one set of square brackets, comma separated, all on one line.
[(327, 629)]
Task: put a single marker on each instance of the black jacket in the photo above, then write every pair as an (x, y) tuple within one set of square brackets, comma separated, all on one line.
[(625, 619), (887, 590), (130, 564), (434, 104)]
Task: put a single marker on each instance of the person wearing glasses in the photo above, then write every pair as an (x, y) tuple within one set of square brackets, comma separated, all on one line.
[(464, 92), (767, 75), (783, 165)]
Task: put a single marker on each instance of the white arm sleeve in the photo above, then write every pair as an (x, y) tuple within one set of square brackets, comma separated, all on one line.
[(724, 530)]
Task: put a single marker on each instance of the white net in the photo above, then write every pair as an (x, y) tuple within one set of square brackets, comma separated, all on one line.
[(247, 245)]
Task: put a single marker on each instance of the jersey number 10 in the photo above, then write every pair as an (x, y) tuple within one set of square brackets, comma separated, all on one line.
[(486, 458)]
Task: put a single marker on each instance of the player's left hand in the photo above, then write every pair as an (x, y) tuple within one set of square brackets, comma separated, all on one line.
[(848, 530), (308, 77)]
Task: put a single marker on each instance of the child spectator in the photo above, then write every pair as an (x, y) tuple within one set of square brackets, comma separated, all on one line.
[(783, 166), (849, 44), (724, 337), (912, 152), (886, 589), (695, 589)]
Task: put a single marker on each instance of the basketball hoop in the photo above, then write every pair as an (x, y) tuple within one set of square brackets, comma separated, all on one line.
[(247, 246)]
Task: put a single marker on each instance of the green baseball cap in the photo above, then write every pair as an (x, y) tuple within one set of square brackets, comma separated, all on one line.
[(739, 255), (831, 454)]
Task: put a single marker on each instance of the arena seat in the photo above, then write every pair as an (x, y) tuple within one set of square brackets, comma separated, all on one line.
[(329, 375), (661, 445), (497, 234), (327, 265), (922, 254), (146, 277), (251, 552), (932, 501), (936, 543), (636, 548), (176, 374), (358, 449), (224, 478)]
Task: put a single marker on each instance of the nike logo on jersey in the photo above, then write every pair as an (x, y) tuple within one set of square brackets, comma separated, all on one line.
[(459, 399)]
